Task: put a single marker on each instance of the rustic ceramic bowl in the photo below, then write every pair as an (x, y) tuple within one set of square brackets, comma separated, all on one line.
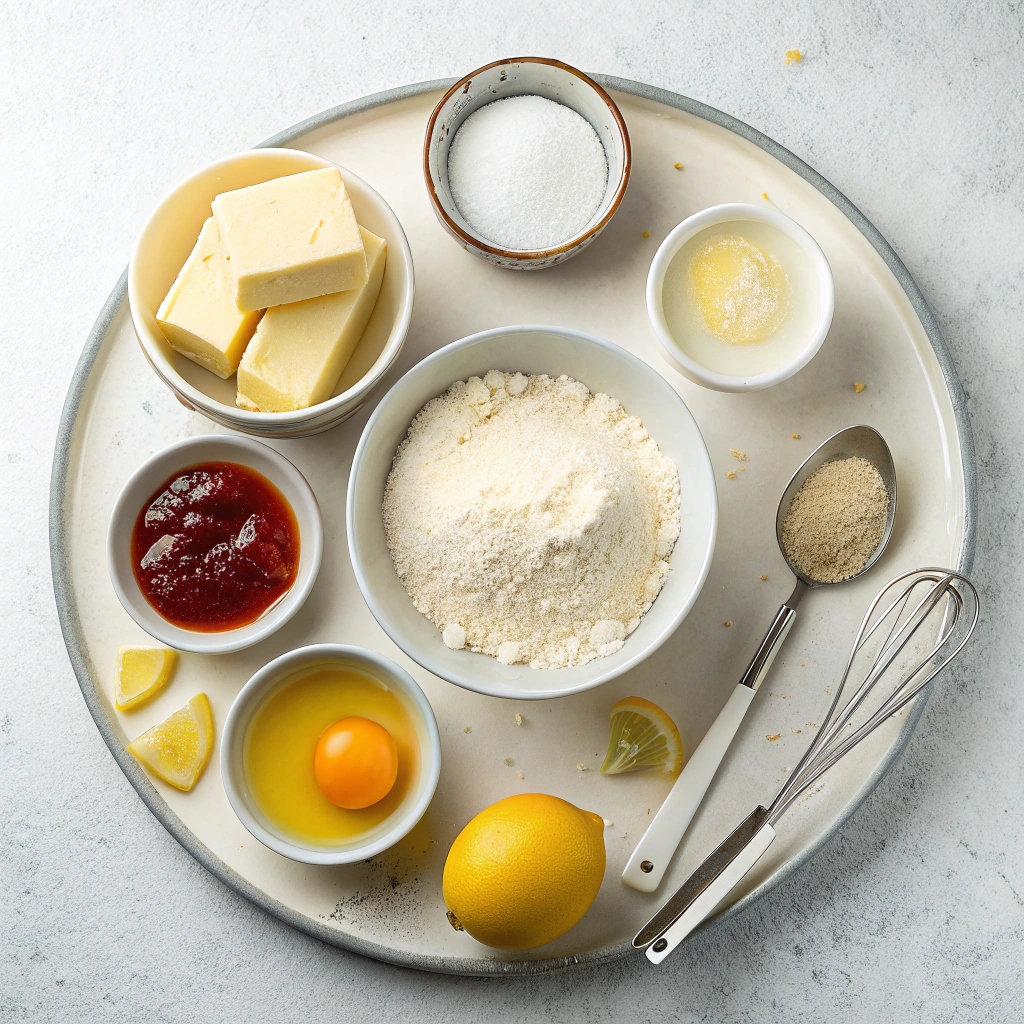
[(166, 240), (522, 76)]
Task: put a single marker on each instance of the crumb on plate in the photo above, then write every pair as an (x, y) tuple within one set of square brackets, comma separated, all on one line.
[(794, 56), (510, 761), (764, 575), (859, 386), (738, 455), (772, 737)]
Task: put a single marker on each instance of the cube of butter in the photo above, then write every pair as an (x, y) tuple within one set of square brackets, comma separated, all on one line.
[(198, 315), (291, 238), (299, 351)]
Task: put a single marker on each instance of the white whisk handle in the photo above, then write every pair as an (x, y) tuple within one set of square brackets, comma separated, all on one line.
[(646, 867), (707, 887)]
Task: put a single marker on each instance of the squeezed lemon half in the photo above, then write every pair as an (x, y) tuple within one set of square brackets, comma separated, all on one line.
[(178, 749), (142, 672), (641, 737)]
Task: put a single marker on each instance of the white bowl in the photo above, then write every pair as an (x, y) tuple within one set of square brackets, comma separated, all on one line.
[(520, 76), (603, 367), (678, 237), (163, 465), (262, 685), (168, 237)]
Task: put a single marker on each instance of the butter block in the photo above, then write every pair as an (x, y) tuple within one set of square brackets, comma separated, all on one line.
[(290, 239), (198, 315), (300, 350)]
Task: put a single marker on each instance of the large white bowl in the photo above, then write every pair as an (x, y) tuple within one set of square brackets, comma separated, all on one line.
[(163, 246), (260, 687), (603, 367), (162, 466)]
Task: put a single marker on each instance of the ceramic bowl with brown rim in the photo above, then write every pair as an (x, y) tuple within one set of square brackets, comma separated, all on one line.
[(524, 76)]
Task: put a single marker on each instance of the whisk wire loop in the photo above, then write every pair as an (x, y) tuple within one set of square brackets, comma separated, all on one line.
[(838, 736)]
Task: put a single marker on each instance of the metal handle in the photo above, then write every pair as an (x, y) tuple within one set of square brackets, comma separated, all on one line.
[(706, 887), (762, 660)]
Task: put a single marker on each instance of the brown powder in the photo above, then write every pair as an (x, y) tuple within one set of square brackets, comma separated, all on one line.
[(835, 522)]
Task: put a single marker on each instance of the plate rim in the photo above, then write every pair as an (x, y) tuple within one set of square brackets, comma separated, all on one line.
[(102, 714)]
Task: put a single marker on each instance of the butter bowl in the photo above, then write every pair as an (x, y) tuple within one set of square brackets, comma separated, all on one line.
[(168, 237), (278, 673)]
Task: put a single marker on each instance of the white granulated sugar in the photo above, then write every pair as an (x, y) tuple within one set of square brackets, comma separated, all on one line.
[(527, 173), (530, 519)]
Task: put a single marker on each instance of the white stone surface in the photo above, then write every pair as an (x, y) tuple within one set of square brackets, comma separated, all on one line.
[(914, 110)]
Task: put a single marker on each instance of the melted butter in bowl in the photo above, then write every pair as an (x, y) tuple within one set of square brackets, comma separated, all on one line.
[(740, 296)]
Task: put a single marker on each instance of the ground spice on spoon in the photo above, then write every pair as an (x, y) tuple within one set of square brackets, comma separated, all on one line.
[(835, 522)]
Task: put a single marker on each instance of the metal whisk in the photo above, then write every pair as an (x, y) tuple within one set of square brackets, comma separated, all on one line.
[(902, 656)]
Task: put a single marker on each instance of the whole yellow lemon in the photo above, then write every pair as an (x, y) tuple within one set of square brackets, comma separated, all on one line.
[(524, 871)]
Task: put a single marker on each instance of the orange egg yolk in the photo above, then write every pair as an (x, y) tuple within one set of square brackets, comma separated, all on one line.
[(356, 763)]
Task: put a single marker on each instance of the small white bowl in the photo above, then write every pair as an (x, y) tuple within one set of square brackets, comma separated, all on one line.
[(603, 367), (262, 685), (166, 240), (678, 237), (524, 76), (163, 465)]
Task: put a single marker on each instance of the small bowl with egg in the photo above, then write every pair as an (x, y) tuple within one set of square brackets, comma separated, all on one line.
[(330, 754), (214, 543), (199, 343), (604, 439), (526, 160), (740, 297)]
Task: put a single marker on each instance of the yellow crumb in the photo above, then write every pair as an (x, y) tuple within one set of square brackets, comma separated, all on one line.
[(731, 475), (797, 731), (742, 468), (647, 234), (796, 437), (510, 761), (728, 624), (859, 386), (519, 719), (764, 575), (678, 166), (771, 738), (764, 195), (468, 728), (794, 56), (738, 455)]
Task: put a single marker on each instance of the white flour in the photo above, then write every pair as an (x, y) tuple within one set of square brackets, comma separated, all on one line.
[(531, 520)]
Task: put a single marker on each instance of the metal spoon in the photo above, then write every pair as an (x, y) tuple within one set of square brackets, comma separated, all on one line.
[(646, 867)]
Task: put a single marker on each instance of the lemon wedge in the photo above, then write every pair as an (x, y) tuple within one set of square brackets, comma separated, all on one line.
[(178, 749), (642, 737), (142, 672)]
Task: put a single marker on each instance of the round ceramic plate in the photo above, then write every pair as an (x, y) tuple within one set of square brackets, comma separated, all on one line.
[(883, 335)]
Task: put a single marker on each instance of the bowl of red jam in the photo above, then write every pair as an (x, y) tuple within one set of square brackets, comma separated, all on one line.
[(214, 543)]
